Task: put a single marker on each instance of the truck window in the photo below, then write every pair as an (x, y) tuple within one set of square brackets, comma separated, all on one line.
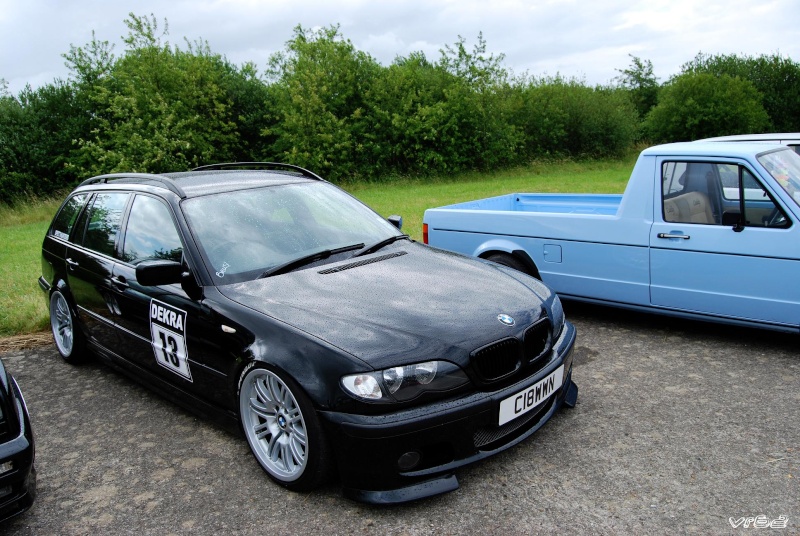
[(708, 193), (690, 192)]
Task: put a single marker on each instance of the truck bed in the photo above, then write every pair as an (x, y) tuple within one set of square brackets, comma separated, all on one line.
[(604, 204)]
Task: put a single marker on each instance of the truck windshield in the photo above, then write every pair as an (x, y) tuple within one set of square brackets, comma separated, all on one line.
[(784, 166)]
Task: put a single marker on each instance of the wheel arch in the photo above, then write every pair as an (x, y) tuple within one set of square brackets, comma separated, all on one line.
[(508, 247)]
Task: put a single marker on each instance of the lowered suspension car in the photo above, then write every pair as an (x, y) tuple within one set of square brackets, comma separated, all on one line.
[(267, 299)]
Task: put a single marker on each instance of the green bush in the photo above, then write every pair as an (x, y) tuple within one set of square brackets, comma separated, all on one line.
[(701, 105), (318, 90), (777, 79), (327, 106), (567, 118), (159, 109)]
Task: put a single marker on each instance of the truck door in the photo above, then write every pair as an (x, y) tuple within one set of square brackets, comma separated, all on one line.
[(722, 245)]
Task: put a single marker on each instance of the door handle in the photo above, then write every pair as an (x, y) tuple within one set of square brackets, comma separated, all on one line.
[(670, 235), (119, 281), (71, 263)]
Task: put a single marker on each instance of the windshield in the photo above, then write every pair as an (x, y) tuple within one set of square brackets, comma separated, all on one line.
[(245, 233), (784, 166)]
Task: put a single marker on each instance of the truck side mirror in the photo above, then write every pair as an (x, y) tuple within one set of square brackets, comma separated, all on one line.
[(732, 219)]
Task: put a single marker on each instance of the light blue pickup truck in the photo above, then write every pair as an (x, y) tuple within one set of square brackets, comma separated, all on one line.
[(706, 230)]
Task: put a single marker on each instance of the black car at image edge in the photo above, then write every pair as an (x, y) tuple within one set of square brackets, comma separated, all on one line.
[(269, 300), (17, 450)]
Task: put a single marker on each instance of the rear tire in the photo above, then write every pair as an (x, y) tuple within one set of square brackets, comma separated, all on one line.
[(66, 333), (283, 430), (512, 262)]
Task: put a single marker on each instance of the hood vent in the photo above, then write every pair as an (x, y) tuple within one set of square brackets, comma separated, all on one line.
[(364, 262)]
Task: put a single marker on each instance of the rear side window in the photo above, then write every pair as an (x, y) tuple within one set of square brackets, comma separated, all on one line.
[(105, 217), (65, 220)]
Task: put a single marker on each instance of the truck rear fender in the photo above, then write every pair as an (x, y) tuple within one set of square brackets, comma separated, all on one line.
[(508, 247)]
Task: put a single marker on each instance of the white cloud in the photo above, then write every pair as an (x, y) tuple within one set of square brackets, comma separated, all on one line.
[(570, 37)]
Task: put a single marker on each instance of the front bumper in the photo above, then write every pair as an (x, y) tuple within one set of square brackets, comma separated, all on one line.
[(17, 470), (443, 436)]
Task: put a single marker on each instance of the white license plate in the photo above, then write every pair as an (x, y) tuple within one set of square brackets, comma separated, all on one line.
[(529, 398)]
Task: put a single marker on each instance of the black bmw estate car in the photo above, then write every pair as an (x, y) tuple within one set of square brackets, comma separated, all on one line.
[(270, 300)]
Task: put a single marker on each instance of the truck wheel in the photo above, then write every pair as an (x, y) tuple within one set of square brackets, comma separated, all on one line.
[(512, 262)]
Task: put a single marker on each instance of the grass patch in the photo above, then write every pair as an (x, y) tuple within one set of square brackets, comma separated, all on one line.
[(23, 308), (22, 304), (410, 197)]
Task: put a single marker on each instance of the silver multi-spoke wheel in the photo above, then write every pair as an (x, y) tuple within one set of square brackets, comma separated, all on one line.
[(61, 322), (65, 332), (274, 425)]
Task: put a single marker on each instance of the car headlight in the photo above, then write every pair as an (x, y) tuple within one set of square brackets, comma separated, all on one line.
[(404, 383), (557, 311)]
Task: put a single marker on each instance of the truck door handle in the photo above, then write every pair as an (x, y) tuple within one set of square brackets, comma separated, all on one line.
[(670, 235)]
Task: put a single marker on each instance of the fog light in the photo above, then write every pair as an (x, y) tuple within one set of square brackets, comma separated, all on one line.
[(409, 460)]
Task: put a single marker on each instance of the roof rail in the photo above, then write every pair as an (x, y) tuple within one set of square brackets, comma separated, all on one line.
[(255, 165), (166, 181)]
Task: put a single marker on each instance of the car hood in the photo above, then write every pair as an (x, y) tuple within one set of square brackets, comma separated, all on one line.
[(403, 304)]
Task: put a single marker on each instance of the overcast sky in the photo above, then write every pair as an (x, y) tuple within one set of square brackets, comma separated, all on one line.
[(586, 39)]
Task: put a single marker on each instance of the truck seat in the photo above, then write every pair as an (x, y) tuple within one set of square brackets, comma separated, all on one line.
[(691, 207)]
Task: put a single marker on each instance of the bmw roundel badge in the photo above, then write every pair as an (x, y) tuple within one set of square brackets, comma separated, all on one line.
[(506, 319)]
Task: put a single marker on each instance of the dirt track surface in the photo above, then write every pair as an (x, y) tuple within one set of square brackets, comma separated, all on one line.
[(680, 427)]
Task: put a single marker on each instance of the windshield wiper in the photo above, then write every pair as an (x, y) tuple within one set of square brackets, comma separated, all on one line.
[(307, 259), (378, 245)]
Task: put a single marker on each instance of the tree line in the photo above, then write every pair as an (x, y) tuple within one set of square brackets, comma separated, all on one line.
[(322, 104)]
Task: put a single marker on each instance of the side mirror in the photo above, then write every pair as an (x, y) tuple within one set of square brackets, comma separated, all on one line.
[(730, 219), (154, 273), (396, 220), (733, 219)]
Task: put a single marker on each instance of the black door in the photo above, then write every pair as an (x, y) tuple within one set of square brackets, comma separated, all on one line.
[(164, 331), (90, 266)]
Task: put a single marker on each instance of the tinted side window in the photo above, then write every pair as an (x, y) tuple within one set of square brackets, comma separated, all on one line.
[(65, 220), (105, 217), (150, 233)]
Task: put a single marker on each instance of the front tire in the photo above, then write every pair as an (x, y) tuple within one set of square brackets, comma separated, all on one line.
[(283, 430), (66, 334)]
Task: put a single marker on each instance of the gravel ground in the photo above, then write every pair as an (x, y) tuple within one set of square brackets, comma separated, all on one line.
[(680, 428)]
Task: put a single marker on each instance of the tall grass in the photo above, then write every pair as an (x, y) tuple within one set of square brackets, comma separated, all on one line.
[(409, 198), (23, 307)]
